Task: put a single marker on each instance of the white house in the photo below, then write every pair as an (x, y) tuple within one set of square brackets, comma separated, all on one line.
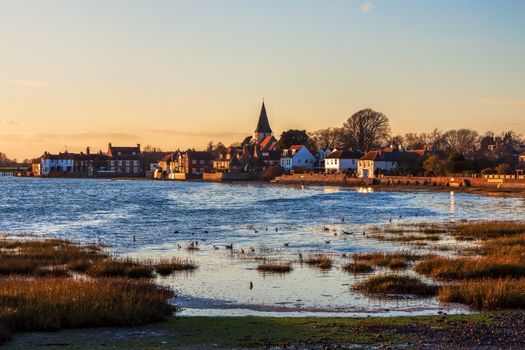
[(320, 155), (297, 156), (63, 162), (340, 161)]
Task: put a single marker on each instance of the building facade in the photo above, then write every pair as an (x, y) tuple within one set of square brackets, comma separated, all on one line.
[(297, 157)]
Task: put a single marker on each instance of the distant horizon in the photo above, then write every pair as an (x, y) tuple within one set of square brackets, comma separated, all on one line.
[(178, 74)]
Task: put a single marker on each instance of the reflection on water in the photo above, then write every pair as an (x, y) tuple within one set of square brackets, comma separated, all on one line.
[(281, 221)]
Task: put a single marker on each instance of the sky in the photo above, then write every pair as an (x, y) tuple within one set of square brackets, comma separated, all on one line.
[(180, 73)]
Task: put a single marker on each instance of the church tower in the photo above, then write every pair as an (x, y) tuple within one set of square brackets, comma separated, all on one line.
[(263, 127)]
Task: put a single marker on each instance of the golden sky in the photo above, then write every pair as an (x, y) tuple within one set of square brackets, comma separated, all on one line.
[(177, 74)]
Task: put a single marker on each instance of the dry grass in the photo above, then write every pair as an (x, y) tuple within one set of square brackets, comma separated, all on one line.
[(55, 303), (488, 229), (395, 284), (399, 260), (23, 257), (494, 266), (165, 267), (486, 294), (321, 261), (274, 267), (119, 267), (354, 267)]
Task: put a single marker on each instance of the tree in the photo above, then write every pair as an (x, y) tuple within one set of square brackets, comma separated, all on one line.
[(293, 137), (461, 141), (503, 169), (366, 130), (150, 148), (4, 160), (435, 166), (327, 138)]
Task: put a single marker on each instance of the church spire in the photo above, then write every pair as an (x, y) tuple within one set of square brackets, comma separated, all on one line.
[(263, 126)]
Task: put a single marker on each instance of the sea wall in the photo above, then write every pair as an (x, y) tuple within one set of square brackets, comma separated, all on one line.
[(225, 177), (411, 181)]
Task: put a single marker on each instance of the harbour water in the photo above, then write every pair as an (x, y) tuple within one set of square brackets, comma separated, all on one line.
[(276, 221)]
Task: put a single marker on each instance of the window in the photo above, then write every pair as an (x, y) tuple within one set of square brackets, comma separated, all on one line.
[(193, 161), (201, 161)]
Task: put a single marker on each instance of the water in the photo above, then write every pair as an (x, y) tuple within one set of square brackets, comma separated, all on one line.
[(112, 212)]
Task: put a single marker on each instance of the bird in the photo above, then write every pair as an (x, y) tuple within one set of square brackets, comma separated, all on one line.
[(205, 231), (286, 244), (176, 232), (215, 247), (276, 229), (335, 234), (134, 239), (252, 249), (343, 219), (242, 250), (327, 242), (251, 285), (256, 231), (229, 246), (178, 246), (364, 233)]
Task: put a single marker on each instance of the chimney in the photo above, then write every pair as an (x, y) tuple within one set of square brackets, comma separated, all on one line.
[(109, 145), (138, 145), (88, 150)]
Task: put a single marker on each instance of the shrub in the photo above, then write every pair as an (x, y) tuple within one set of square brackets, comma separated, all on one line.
[(396, 261), (272, 172), (395, 284), (486, 294), (488, 229)]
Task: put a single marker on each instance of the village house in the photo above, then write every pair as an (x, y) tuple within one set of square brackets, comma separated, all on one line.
[(297, 157), (228, 161), (522, 157), (124, 161), (61, 163), (193, 163), (341, 161), (385, 160)]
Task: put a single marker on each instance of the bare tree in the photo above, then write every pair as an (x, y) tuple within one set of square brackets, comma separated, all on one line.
[(365, 130), (462, 141), (327, 138)]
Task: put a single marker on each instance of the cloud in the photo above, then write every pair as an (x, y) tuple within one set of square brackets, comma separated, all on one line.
[(10, 122), (367, 7), (502, 102), (29, 83)]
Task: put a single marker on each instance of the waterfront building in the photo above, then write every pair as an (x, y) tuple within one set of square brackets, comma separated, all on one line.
[(341, 161), (385, 160), (297, 157), (124, 161)]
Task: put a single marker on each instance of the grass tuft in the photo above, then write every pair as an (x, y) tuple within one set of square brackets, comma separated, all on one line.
[(321, 261), (354, 267), (274, 267), (165, 267), (395, 284)]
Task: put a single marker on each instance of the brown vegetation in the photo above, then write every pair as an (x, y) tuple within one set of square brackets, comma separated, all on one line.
[(395, 284), (321, 261), (487, 294), (354, 267), (488, 229), (400, 260), (165, 267), (274, 267)]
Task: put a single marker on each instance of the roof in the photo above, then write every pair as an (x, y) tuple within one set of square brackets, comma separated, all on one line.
[(297, 147), (263, 125), (381, 156), (269, 143), (419, 152), (199, 155), (522, 153), (345, 155)]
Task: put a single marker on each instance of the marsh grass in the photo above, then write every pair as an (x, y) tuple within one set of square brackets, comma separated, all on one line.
[(395, 284), (165, 267), (274, 267), (55, 303), (120, 267), (321, 261), (396, 261), (454, 268), (486, 294), (356, 268), (487, 229)]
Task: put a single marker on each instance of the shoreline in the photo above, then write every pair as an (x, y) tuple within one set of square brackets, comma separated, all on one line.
[(478, 331)]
